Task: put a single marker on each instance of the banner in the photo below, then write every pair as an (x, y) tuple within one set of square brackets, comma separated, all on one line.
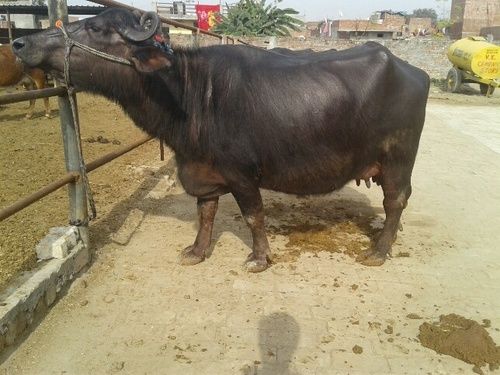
[(208, 15)]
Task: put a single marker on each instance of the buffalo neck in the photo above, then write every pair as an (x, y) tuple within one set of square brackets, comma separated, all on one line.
[(169, 104)]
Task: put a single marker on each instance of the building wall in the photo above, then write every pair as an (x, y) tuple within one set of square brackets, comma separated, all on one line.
[(26, 21), (393, 22), (416, 24), (471, 16)]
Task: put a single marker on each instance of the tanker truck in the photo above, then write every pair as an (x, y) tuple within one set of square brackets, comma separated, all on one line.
[(474, 61)]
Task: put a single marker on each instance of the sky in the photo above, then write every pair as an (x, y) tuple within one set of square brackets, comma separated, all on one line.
[(359, 9), (315, 10)]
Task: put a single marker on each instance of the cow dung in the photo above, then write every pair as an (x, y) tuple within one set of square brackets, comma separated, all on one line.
[(461, 338)]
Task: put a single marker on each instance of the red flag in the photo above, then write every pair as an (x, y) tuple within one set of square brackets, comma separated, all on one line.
[(208, 15)]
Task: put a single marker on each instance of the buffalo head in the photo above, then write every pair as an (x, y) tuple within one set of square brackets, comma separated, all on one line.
[(118, 32)]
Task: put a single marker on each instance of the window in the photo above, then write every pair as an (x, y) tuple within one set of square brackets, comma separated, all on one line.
[(380, 35)]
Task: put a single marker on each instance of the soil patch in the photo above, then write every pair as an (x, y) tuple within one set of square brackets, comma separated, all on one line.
[(461, 338)]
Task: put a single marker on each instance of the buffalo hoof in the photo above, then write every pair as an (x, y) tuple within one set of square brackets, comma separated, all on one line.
[(371, 258), (47, 115), (255, 265), (189, 258)]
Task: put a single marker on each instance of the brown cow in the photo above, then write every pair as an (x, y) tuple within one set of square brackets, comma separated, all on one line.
[(14, 72)]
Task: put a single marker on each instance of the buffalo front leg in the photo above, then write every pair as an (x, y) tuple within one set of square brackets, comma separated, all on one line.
[(251, 207), (196, 253), (40, 84), (396, 194), (47, 107)]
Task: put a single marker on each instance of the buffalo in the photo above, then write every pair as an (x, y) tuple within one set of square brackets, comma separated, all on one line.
[(13, 72), (241, 119)]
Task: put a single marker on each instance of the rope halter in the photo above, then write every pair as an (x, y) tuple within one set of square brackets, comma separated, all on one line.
[(158, 41)]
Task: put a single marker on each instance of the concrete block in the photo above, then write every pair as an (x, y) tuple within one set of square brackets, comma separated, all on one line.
[(81, 257), (50, 293), (15, 327), (44, 247), (131, 223), (59, 248), (58, 243), (67, 255)]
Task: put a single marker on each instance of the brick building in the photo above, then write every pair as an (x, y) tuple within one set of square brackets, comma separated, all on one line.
[(474, 17), (347, 29), (382, 25), (419, 25)]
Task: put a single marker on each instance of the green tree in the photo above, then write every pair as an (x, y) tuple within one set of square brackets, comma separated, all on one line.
[(425, 13), (256, 18)]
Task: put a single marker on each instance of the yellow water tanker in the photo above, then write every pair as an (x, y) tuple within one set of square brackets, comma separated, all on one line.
[(475, 60)]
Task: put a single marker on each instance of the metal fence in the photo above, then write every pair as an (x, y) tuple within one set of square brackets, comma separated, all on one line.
[(73, 178)]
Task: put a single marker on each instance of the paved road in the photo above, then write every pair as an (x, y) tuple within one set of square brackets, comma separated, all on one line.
[(138, 312)]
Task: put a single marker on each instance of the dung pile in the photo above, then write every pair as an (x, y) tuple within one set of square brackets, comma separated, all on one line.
[(461, 338)]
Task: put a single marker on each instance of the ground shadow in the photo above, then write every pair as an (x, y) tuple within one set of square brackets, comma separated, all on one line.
[(305, 215), (470, 89), (279, 335)]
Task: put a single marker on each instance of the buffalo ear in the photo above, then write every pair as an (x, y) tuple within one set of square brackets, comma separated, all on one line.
[(150, 59)]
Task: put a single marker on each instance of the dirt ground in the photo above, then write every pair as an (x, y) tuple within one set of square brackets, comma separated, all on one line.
[(31, 156), (315, 311)]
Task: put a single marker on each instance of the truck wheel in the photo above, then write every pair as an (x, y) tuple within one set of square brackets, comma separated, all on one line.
[(486, 89), (453, 80)]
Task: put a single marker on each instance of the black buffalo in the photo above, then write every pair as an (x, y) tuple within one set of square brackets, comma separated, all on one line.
[(240, 119)]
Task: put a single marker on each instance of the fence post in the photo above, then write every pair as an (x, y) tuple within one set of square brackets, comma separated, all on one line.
[(78, 213), (9, 26), (223, 40)]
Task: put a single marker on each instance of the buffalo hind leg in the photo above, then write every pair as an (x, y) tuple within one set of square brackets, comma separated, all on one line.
[(397, 190), (251, 207), (196, 253)]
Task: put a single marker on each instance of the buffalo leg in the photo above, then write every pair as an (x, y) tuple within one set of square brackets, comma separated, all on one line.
[(29, 86), (251, 207), (40, 84), (196, 253), (397, 190), (47, 107)]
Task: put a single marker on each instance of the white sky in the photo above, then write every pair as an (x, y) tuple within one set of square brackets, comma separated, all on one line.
[(315, 10)]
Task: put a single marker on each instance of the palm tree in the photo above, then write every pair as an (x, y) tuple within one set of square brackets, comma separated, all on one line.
[(255, 18)]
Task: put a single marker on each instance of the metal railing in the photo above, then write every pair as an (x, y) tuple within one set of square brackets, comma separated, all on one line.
[(77, 195)]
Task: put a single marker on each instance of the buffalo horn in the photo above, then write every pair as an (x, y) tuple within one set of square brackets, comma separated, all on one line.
[(141, 35)]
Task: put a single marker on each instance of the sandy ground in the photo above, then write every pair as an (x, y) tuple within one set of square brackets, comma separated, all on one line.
[(136, 311)]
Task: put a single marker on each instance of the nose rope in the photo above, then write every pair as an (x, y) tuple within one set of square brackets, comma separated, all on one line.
[(104, 55)]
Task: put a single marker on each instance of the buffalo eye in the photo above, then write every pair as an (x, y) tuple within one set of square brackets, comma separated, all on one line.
[(94, 28)]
